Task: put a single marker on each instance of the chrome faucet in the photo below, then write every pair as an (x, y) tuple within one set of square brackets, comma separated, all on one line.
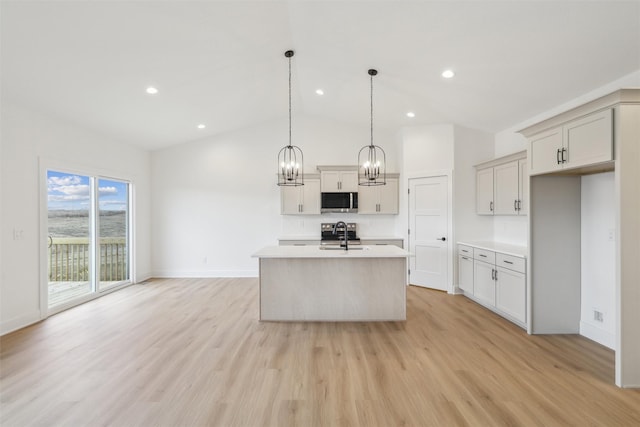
[(346, 236)]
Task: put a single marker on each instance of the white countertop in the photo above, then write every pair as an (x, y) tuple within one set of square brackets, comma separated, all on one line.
[(298, 237), (519, 251), (366, 251)]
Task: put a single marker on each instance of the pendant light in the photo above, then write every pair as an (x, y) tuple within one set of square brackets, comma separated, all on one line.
[(290, 161), (372, 159)]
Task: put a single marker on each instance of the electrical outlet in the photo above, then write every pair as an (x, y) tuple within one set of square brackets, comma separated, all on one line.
[(612, 235), (598, 316)]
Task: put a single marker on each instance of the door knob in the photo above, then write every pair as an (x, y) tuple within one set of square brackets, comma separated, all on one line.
[(442, 238)]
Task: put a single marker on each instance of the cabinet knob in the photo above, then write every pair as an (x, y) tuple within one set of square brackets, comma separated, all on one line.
[(442, 238)]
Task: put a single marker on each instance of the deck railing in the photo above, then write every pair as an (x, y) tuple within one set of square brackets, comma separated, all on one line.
[(69, 259)]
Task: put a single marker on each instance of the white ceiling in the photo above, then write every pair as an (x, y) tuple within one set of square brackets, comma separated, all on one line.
[(222, 62)]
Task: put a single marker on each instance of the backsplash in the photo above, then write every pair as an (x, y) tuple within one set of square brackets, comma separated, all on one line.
[(368, 225)]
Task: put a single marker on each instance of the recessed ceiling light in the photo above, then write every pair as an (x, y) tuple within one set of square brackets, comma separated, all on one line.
[(447, 74), (411, 114), (201, 126), (152, 90), (319, 92)]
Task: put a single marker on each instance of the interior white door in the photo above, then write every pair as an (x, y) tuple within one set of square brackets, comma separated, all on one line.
[(428, 232)]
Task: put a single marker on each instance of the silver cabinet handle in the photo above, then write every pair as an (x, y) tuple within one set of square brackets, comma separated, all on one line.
[(515, 205), (564, 150), (493, 274), (558, 156), (491, 206)]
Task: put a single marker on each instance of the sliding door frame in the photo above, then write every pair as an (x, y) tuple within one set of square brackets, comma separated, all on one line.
[(47, 164)]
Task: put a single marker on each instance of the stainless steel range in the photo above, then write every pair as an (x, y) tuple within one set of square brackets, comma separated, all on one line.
[(329, 235)]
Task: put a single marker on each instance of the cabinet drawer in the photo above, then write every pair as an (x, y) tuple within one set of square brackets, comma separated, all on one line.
[(511, 262), (484, 255), (465, 250)]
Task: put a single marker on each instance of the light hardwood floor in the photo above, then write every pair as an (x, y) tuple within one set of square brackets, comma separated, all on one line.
[(191, 352)]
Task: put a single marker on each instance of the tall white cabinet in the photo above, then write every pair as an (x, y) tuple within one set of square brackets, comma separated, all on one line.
[(602, 135)]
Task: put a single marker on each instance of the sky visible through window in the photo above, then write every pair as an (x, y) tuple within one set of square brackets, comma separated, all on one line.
[(73, 192)]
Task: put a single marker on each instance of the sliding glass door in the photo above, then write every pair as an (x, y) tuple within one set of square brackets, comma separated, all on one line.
[(69, 249), (87, 236), (113, 227)]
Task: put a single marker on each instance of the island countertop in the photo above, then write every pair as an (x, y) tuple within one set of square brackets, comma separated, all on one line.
[(310, 251)]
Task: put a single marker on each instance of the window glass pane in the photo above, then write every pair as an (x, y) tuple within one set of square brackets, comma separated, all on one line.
[(113, 203), (68, 234)]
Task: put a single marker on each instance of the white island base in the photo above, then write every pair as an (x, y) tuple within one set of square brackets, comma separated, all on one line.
[(305, 283)]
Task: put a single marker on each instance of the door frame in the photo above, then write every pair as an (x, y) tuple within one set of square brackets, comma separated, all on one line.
[(448, 173)]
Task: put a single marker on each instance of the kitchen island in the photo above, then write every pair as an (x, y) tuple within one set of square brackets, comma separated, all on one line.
[(309, 283)]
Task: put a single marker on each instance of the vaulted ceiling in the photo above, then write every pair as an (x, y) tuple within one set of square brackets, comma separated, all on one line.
[(221, 63)]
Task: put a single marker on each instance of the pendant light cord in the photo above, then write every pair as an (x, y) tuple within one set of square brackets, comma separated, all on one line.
[(290, 101), (371, 79)]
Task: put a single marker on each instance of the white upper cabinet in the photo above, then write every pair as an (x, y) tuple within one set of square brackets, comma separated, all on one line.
[(502, 186), (523, 186), (301, 200), (484, 191), (339, 181), (506, 188), (379, 199), (581, 142), (545, 151)]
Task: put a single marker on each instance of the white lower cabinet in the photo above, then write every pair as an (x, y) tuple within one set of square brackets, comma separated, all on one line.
[(494, 279), (511, 293), (484, 285), (465, 273)]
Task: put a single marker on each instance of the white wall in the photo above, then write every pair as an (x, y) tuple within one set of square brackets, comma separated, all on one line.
[(28, 138), (598, 258), (216, 202), (471, 147)]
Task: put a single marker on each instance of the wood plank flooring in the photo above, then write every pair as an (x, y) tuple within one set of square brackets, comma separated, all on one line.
[(191, 352)]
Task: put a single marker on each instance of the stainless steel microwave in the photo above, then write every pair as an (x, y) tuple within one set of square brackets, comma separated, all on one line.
[(339, 202)]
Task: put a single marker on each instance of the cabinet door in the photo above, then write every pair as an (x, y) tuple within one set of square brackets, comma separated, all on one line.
[(545, 151), (484, 191), (330, 181), (368, 199), (387, 197), (290, 200), (465, 274), (349, 181), (589, 140), (511, 296), (310, 197), (505, 180), (484, 286), (523, 187)]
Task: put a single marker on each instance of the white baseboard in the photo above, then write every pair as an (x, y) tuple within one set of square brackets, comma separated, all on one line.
[(169, 274), (598, 335), (11, 325)]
